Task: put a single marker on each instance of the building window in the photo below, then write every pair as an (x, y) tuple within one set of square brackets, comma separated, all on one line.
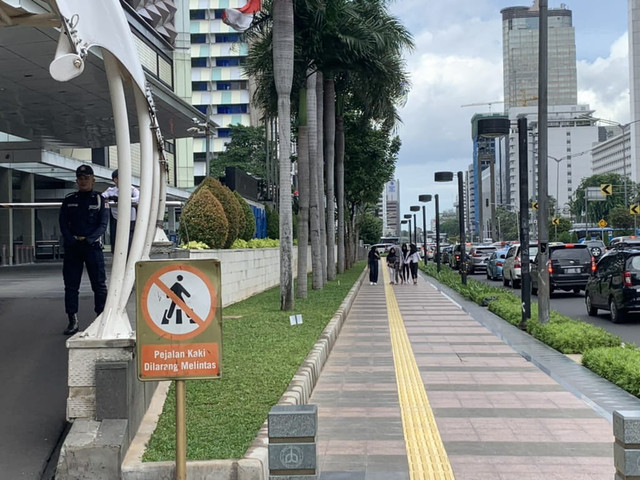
[(218, 13), (227, 37), (230, 109), (223, 85), (224, 132), (198, 14), (198, 38), (199, 86), (199, 62), (202, 108), (229, 61)]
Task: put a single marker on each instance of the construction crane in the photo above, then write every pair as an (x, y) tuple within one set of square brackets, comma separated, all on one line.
[(482, 103)]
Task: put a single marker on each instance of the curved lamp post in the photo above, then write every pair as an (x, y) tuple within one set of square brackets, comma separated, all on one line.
[(424, 199), (448, 177)]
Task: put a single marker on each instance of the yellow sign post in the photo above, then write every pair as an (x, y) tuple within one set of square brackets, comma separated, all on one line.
[(602, 223), (179, 330), (534, 205), (606, 189), (634, 209), (555, 221)]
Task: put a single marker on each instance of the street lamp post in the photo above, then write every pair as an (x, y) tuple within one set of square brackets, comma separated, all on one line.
[(448, 177), (424, 199), (408, 216), (415, 208), (437, 233)]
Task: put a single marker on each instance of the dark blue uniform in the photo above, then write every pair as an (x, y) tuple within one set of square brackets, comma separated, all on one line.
[(83, 221)]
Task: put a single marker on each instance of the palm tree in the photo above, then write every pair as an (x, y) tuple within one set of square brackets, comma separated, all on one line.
[(283, 78)]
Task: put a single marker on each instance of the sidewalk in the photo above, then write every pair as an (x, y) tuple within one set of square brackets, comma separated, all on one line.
[(419, 382)]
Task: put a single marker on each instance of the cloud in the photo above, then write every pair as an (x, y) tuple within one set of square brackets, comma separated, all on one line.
[(604, 82)]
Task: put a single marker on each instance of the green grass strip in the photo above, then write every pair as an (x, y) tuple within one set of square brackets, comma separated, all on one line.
[(261, 352)]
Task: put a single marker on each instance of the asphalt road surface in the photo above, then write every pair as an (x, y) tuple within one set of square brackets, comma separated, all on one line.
[(33, 371), (572, 305)]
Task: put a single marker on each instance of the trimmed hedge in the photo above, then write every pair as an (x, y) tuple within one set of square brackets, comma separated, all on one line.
[(248, 229), (230, 206), (203, 220)]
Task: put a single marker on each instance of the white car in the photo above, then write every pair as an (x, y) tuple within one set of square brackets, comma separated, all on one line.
[(512, 268)]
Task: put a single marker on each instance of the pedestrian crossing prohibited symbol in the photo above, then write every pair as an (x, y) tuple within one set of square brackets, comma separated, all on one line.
[(179, 333)]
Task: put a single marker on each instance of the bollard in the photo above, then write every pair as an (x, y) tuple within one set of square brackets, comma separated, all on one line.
[(292, 442), (5, 260), (626, 448)]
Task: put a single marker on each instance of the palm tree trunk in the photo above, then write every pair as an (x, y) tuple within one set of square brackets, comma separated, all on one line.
[(314, 210), (303, 205), (329, 160), (283, 78), (340, 191), (321, 196)]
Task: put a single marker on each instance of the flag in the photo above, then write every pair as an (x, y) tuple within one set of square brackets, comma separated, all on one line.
[(240, 18)]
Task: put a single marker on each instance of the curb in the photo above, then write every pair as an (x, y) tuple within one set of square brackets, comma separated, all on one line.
[(255, 463)]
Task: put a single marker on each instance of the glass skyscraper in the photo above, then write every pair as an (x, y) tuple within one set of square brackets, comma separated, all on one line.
[(520, 38)]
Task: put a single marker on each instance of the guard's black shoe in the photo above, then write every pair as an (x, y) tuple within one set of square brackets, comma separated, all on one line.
[(72, 328)]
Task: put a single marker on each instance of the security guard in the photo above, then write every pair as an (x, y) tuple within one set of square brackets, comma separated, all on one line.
[(83, 220)]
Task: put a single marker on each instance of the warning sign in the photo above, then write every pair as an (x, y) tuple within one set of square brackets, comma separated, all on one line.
[(178, 326)]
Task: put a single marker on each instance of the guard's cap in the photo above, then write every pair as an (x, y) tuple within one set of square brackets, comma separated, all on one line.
[(84, 171), (114, 174)]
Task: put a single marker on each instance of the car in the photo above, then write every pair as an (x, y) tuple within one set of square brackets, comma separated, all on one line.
[(494, 265), (512, 267), (479, 256), (569, 265), (597, 247), (445, 253), (615, 284), (625, 242)]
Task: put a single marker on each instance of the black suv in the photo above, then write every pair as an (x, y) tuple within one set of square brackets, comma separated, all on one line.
[(570, 266), (615, 284)]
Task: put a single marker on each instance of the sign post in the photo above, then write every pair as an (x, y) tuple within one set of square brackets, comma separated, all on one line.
[(179, 330)]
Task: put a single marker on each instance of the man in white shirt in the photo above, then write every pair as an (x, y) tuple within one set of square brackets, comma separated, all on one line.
[(111, 194)]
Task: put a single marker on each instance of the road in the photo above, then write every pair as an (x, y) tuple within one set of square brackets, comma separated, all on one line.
[(33, 371), (572, 305)]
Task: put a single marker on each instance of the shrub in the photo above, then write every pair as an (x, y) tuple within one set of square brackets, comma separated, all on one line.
[(230, 206), (203, 220), (256, 243), (248, 229), (570, 336), (273, 222), (619, 365)]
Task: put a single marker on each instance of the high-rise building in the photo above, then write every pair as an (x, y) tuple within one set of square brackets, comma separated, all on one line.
[(520, 38), (220, 88), (389, 209)]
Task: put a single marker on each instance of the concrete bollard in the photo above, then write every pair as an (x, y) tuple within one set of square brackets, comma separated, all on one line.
[(626, 449), (292, 442)]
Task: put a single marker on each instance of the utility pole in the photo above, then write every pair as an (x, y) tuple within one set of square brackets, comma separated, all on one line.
[(543, 161)]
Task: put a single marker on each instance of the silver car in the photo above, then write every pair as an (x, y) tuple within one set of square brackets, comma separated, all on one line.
[(512, 268), (479, 256)]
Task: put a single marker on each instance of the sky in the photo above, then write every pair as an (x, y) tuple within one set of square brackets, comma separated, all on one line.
[(457, 60)]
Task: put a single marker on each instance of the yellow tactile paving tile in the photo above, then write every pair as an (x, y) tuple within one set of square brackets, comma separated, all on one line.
[(426, 454)]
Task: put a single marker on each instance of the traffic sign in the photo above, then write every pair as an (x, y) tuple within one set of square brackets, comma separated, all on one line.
[(534, 205), (555, 221), (634, 209), (606, 189), (179, 319), (602, 223)]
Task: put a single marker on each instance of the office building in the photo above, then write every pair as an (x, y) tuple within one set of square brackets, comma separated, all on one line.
[(520, 38), (220, 88)]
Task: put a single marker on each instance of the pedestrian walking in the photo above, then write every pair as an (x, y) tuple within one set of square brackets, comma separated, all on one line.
[(83, 220), (412, 260), (404, 267), (394, 264), (374, 256), (111, 194)]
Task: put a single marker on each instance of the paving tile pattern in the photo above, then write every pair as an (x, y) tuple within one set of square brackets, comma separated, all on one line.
[(499, 415)]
